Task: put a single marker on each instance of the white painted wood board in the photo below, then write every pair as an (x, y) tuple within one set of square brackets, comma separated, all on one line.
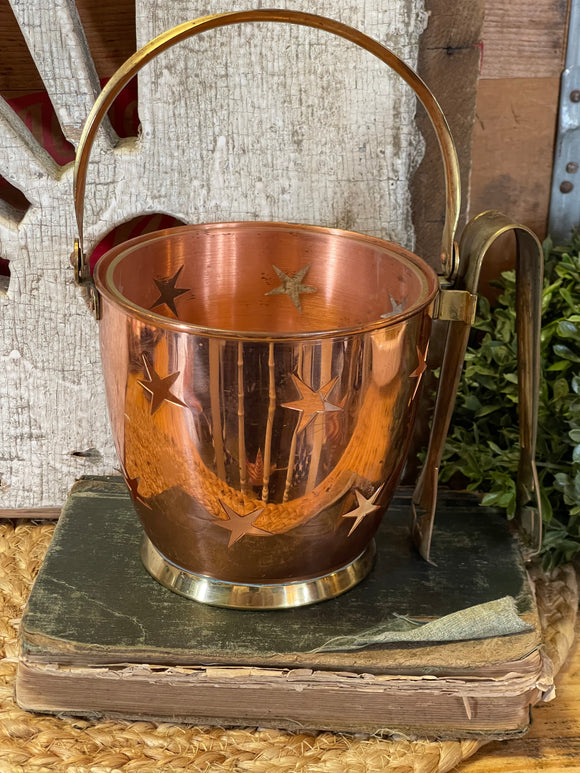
[(255, 122)]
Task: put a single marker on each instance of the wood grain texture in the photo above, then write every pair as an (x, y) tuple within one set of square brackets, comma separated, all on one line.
[(109, 26), (449, 60), (25, 163), (58, 45), (40, 513), (513, 142), (523, 39), (322, 133), (287, 124)]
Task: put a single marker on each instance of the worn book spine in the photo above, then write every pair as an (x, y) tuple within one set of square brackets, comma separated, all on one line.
[(294, 699)]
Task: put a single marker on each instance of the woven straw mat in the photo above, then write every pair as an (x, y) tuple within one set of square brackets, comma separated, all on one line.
[(31, 742)]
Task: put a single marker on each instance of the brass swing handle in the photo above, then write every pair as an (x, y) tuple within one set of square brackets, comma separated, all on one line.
[(173, 36), (477, 237)]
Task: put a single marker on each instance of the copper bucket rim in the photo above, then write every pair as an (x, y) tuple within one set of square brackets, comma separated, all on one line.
[(105, 267)]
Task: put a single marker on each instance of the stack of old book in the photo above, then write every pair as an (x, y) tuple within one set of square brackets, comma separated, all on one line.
[(446, 650)]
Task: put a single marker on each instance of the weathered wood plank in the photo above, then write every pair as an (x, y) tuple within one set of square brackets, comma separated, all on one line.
[(23, 161), (109, 27), (197, 163), (59, 48), (449, 62), (512, 164), (513, 143), (317, 135), (523, 39), (34, 513)]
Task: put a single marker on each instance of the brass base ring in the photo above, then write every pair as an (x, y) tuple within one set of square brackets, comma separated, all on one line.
[(218, 593)]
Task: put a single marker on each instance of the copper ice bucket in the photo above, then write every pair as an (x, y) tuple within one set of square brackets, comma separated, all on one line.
[(262, 378)]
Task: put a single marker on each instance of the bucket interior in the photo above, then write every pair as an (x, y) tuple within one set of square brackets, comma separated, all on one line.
[(266, 278)]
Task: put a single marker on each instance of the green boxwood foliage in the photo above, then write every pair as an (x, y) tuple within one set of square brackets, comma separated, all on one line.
[(482, 448)]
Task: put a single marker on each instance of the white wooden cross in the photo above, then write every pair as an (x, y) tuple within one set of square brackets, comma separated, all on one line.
[(254, 122)]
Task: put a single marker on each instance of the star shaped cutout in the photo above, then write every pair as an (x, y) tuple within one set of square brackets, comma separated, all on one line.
[(311, 402), (365, 507), (133, 486), (239, 525), (292, 285), (159, 388), (419, 370), (396, 308), (169, 292)]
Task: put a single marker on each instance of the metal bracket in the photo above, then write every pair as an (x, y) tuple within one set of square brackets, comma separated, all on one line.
[(456, 306), (565, 194), (84, 279), (80, 265)]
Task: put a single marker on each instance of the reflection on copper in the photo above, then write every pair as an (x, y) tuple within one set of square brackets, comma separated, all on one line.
[(290, 435)]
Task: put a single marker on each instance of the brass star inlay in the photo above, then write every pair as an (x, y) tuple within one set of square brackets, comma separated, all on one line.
[(396, 307), (419, 370), (365, 507), (311, 402), (239, 525), (169, 292), (292, 286), (159, 388)]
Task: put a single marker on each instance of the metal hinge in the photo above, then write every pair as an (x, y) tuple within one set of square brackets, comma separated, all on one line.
[(84, 279)]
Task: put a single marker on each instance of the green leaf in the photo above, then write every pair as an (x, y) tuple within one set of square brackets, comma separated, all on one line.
[(560, 389), (567, 296), (566, 353), (491, 499), (486, 410), (472, 403), (547, 510), (483, 447), (568, 329), (558, 366)]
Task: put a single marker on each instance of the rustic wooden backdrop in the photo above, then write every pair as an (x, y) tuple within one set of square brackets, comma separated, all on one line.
[(52, 416), (245, 123)]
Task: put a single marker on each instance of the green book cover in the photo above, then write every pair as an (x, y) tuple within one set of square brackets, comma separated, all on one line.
[(94, 600)]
